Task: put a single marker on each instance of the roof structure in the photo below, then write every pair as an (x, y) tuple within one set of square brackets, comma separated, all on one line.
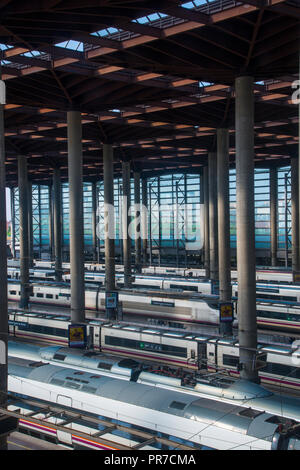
[(153, 78)]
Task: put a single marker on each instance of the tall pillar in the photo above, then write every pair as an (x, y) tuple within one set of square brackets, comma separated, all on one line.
[(245, 223), (213, 215), (30, 225), (144, 220), (125, 214), (24, 231), (57, 223), (108, 177), (206, 223), (137, 209), (273, 214), (76, 216), (50, 222), (94, 221), (225, 292), (13, 228), (295, 215), (3, 278)]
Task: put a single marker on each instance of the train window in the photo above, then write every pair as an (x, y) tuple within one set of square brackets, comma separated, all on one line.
[(49, 296), (146, 346), (229, 360), (57, 382), (277, 297), (71, 385), (39, 294), (282, 369), (88, 389), (249, 413), (193, 354), (104, 365), (184, 287), (59, 357), (178, 405), (270, 314), (46, 330), (128, 363), (13, 292)]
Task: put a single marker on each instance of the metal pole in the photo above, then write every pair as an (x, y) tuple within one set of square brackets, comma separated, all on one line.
[(50, 222), (13, 225), (295, 215), (286, 230), (159, 221), (76, 216), (244, 122), (150, 225), (213, 215), (94, 220), (137, 203), (57, 223), (223, 221), (3, 278), (126, 235), (30, 225), (273, 214), (206, 223), (108, 174), (24, 232), (144, 220)]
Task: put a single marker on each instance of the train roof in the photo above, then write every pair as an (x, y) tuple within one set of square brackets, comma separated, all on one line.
[(244, 420)]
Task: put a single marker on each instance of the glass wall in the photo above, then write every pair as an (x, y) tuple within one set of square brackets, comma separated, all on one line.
[(178, 197)]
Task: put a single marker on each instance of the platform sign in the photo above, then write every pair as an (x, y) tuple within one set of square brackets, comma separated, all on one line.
[(214, 287), (111, 299), (77, 336), (226, 312)]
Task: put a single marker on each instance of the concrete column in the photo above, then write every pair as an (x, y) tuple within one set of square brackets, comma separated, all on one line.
[(13, 229), (137, 209), (108, 177), (24, 231), (206, 222), (3, 277), (295, 215), (223, 214), (213, 215), (57, 223), (76, 216), (223, 221), (273, 214), (144, 220), (94, 221), (30, 225), (244, 122), (50, 222), (125, 213)]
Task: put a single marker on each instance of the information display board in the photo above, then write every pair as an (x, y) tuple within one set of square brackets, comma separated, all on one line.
[(226, 312), (77, 336)]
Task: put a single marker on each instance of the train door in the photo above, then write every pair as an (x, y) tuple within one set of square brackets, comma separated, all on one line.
[(96, 334), (212, 354), (202, 355), (64, 437)]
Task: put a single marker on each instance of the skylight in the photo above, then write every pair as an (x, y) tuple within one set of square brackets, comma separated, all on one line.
[(71, 44)]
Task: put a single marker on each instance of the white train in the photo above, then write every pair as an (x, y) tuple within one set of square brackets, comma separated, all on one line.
[(221, 388), (202, 421), (179, 350), (201, 309), (263, 274), (173, 307)]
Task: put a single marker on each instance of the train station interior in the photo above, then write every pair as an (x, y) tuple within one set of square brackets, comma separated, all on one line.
[(150, 224)]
